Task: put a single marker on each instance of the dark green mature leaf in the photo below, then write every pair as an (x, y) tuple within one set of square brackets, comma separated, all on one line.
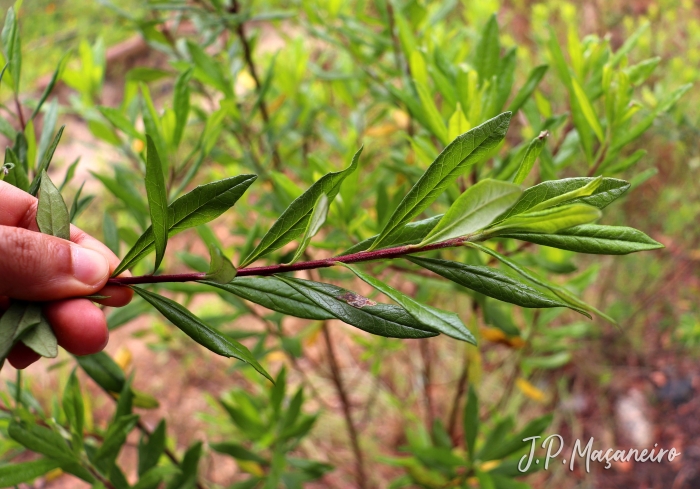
[(154, 476), (238, 452), (411, 233), (533, 80), (475, 209), (594, 239), (460, 154), (103, 370), (351, 308), (15, 322), (313, 225), (49, 88), (199, 206), (115, 438), (74, 409), (150, 450), (533, 151), (431, 318), (295, 218), (52, 214), (15, 473), (221, 270), (608, 190), (45, 161), (193, 327), (471, 422), (274, 294), (16, 175), (548, 220), (41, 440), (41, 339), (189, 467), (47, 129), (489, 281), (157, 200)]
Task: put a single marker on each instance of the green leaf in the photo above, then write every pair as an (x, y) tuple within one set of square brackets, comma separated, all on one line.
[(458, 123), (114, 439), (118, 120), (14, 474), (151, 450), (587, 110), (47, 129), (594, 239), (49, 88), (75, 410), (608, 190), (318, 217), (209, 71), (488, 51), (188, 466), (193, 327), (70, 173), (41, 339), (584, 191), (515, 443), (411, 233), (431, 318), (548, 220), (431, 113), (629, 44), (110, 233), (199, 206), (573, 302), (533, 80), (41, 440), (103, 370), (471, 422), (355, 310), (181, 105), (157, 200), (533, 151), (475, 209), (489, 281), (45, 161), (221, 270), (238, 452), (466, 150), (14, 322), (154, 476), (52, 214), (17, 175), (13, 50), (274, 294), (153, 125), (294, 219)]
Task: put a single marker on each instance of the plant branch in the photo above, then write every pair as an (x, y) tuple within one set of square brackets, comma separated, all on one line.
[(362, 256)]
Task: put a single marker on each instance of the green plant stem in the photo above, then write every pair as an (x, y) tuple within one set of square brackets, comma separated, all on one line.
[(362, 256), (362, 482), (18, 388)]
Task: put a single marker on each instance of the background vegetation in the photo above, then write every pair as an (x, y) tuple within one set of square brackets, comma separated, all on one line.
[(289, 91)]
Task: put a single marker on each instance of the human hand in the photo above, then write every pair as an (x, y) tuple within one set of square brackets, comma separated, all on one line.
[(41, 268)]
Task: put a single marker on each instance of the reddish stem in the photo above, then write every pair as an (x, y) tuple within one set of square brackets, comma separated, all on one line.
[(387, 253)]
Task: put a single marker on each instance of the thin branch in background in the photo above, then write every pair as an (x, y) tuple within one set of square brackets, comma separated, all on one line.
[(459, 393), (360, 475), (426, 375)]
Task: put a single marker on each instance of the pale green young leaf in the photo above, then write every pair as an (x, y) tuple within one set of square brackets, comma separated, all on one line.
[(41, 339), (594, 239), (587, 110), (411, 233), (74, 410), (489, 281), (629, 44), (14, 474), (355, 310), (157, 200), (548, 220), (578, 193), (533, 80), (475, 209), (193, 327), (318, 217), (295, 218), (488, 51), (181, 105), (199, 206), (466, 150), (153, 125), (45, 161), (13, 50), (47, 128), (52, 214), (49, 88), (110, 233), (119, 120), (70, 173), (458, 124), (609, 190), (432, 114), (431, 318), (531, 153), (221, 270)]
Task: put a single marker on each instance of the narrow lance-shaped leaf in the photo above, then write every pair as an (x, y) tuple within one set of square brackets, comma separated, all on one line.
[(608, 190), (574, 302), (488, 51), (199, 206), (52, 83), (193, 327), (74, 409), (318, 217), (14, 474), (52, 214), (533, 80), (489, 281), (587, 110), (41, 339), (460, 154), (157, 200), (150, 450), (548, 220), (594, 239), (294, 219), (533, 151), (181, 105), (410, 233), (475, 209), (103, 370), (45, 161), (365, 314), (221, 270), (440, 321), (578, 193)]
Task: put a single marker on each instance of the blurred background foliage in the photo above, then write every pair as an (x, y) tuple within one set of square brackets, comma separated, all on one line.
[(289, 90)]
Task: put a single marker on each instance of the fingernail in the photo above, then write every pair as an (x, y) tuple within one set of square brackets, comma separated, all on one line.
[(89, 266)]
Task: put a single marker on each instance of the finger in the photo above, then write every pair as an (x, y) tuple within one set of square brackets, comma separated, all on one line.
[(39, 267), (80, 326), (22, 356)]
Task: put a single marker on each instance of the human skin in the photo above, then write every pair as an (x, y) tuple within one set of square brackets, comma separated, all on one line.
[(42, 268)]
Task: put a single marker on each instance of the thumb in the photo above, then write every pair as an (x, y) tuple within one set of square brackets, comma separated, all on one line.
[(39, 267)]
